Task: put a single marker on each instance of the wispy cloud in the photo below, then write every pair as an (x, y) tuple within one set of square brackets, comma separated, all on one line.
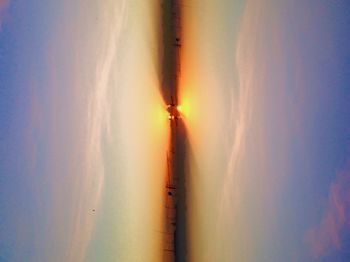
[(326, 236), (98, 119), (69, 124), (256, 166)]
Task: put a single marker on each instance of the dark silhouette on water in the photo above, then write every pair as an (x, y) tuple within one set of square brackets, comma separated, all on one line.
[(175, 228)]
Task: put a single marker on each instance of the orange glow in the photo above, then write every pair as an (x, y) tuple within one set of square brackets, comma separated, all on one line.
[(162, 115), (188, 107), (185, 107)]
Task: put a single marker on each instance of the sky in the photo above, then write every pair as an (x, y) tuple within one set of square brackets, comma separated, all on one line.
[(264, 93), (269, 128)]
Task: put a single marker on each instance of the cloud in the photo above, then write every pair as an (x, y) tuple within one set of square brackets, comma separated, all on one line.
[(326, 236), (3, 7), (69, 120), (98, 118)]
